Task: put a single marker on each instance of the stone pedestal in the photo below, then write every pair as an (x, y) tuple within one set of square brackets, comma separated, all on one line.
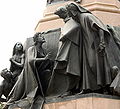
[(106, 10), (88, 101), (84, 101)]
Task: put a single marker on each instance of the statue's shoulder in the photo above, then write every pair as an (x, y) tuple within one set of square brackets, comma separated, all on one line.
[(73, 23), (31, 50), (70, 26)]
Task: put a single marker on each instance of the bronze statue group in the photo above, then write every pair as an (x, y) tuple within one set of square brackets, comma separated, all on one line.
[(87, 61)]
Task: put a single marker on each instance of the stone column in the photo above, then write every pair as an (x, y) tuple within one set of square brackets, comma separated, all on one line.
[(106, 10)]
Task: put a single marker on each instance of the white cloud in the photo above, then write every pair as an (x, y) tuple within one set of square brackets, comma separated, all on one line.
[(18, 19)]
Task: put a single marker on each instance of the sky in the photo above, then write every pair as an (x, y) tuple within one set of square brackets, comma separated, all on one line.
[(18, 19)]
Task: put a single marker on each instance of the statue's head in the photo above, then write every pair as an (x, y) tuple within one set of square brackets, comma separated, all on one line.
[(72, 6), (18, 47), (61, 12), (6, 74), (72, 9), (39, 38)]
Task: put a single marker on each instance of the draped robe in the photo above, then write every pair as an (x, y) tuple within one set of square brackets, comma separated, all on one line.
[(24, 91), (96, 67), (67, 70)]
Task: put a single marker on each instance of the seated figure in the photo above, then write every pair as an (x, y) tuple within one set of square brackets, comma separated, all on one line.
[(10, 77), (6, 84), (34, 77), (17, 60)]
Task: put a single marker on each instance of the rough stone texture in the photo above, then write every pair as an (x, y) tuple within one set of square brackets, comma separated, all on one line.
[(84, 101), (106, 10), (96, 101)]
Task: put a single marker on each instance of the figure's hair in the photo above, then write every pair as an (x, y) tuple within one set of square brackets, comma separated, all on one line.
[(14, 49), (35, 37)]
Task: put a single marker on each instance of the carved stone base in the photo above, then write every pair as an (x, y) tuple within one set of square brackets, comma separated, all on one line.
[(84, 101), (88, 101)]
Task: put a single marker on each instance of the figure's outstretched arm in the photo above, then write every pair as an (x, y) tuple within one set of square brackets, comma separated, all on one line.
[(42, 59)]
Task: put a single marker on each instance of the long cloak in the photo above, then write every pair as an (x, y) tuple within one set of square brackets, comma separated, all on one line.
[(67, 70), (115, 32), (96, 70), (96, 67)]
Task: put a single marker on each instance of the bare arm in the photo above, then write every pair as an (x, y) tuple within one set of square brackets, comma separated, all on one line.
[(17, 63), (42, 59)]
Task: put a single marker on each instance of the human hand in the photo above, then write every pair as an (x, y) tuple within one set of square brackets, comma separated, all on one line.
[(101, 48)]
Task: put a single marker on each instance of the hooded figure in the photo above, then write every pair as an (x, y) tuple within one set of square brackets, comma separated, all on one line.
[(96, 63)]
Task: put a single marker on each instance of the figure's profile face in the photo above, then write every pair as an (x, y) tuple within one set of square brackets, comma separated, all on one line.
[(19, 46), (40, 39), (61, 12), (63, 15)]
